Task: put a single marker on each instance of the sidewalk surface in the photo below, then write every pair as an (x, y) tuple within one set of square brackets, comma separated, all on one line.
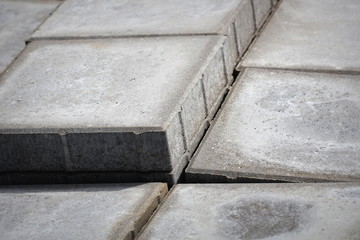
[(130, 119)]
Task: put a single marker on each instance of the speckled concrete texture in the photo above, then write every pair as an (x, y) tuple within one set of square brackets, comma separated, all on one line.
[(307, 34), (18, 20), (285, 125), (261, 9), (77, 211), (258, 211), (79, 18)]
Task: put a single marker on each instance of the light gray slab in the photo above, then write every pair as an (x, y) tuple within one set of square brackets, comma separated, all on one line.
[(77, 212), (18, 19), (306, 34), (105, 105), (77, 18), (259, 211), (285, 125)]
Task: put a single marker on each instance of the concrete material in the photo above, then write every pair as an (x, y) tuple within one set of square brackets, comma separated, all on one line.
[(245, 26), (77, 212), (306, 34), (93, 19), (17, 22), (258, 211), (261, 9), (274, 2), (106, 105), (126, 18), (285, 125)]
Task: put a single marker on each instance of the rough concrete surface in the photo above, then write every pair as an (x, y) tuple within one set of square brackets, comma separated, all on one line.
[(261, 9), (259, 211), (285, 125), (79, 18), (307, 34), (18, 19), (77, 211), (93, 19), (104, 105)]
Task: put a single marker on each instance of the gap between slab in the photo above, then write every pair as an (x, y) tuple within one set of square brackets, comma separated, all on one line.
[(235, 75)]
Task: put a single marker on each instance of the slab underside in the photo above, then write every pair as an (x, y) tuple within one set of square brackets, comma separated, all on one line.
[(310, 35), (18, 20), (258, 211), (77, 211), (284, 126), (126, 105)]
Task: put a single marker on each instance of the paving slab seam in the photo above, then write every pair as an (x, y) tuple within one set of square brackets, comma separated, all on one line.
[(208, 176), (155, 212), (147, 213), (51, 13), (26, 40), (257, 33), (309, 70), (221, 31), (223, 97)]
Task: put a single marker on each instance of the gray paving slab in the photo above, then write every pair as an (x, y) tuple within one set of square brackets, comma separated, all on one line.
[(108, 105), (284, 125), (18, 19), (258, 211), (77, 212), (94, 19), (306, 34), (261, 9)]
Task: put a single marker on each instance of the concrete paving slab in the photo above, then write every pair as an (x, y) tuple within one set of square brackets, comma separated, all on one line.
[(287, 126), (306, 34), (106, 105), (258, 211), (77, 212), (261, 9), (93, 19), (18, 19), (128, 18)]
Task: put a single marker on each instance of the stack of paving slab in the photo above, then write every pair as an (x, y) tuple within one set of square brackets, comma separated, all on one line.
[(292, 115), (121, 91)]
